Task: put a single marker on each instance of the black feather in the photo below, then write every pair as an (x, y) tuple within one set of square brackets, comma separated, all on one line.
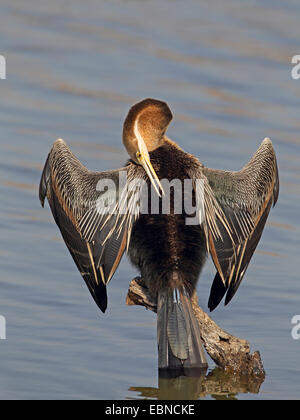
[(217, 292)]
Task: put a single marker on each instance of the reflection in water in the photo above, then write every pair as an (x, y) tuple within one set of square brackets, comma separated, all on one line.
[(217, 384)]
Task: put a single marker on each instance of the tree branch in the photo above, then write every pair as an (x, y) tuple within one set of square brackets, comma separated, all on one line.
[(230, 353)]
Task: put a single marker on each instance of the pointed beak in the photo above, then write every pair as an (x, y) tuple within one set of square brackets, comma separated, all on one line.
[(144, 160)]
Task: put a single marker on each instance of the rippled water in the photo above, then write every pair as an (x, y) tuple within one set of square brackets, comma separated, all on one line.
[(73, 70)]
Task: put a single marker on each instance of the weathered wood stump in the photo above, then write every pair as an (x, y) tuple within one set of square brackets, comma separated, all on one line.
[(230, 353)]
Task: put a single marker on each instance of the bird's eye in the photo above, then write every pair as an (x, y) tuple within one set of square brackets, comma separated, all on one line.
[(138, 155)]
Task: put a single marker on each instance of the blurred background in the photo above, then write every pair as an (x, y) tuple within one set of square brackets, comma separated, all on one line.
[(73, 70)]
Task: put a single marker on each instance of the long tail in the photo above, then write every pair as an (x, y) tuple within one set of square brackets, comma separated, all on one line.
[(178, 332)]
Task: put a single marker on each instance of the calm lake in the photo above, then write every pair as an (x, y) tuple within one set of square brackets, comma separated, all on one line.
[(73, 70)]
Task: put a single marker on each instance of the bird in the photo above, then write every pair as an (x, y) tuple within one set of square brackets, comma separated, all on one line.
[(100, 217)]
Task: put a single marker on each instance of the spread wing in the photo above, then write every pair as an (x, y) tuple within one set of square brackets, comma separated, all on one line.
[(245, 198), (87, 208)]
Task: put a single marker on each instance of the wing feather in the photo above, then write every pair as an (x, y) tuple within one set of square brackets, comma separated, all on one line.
[(95, 234), (245, 198)]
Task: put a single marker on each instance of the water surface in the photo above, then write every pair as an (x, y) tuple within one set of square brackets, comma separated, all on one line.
[(73, 71)]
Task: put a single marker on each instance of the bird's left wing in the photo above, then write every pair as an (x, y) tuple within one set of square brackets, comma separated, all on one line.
[(241, 202), (92, 211)]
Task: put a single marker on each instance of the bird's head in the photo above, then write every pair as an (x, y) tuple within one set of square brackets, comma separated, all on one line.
[(144, 131)]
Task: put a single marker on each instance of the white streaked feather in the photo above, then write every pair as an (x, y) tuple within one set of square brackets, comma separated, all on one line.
[(125, 210)]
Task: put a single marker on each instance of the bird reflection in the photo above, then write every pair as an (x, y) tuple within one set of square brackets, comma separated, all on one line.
[(217, 384)]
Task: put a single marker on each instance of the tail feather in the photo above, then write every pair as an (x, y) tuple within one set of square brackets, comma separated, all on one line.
[(178, 333), (177, 329)]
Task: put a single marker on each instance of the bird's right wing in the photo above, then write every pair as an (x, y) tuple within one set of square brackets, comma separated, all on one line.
[(241, 204), (94, 212)]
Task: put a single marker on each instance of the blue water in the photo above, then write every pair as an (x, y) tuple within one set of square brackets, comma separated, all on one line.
[(73, 71)]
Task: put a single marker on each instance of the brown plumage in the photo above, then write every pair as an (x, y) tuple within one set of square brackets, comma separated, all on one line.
[(99, 218)]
